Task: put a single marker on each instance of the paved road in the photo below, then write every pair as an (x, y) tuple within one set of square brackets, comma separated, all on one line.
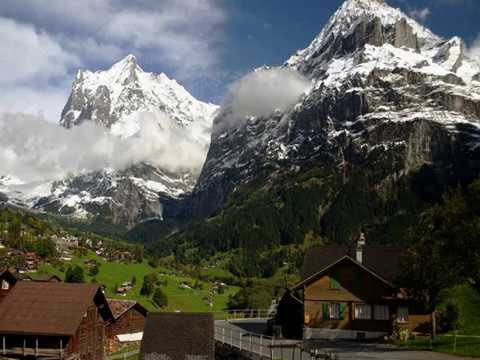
[(362, 351), (229, 333)]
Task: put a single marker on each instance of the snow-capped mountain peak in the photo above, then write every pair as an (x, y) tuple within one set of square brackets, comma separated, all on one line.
[(358, 22), (124, 91)]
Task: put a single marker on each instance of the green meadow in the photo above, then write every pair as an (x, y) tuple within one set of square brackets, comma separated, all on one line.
[(113, 274)]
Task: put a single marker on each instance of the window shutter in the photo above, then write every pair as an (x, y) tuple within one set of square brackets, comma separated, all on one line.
[(343, 307), (326, 313)]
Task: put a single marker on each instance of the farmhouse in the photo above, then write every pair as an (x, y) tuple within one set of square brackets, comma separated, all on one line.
[(7, 281), (127, 327), (54, 320), (178, 336), (350, 293)]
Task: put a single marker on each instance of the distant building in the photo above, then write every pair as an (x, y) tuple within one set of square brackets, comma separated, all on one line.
[(349, 293), (7, 281), (188, 336), (54, 320), (127, 327)]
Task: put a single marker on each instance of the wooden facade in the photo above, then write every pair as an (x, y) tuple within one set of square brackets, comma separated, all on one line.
[(129, 318), (88, 343), (54, 320), (351, 294), (346, 286)]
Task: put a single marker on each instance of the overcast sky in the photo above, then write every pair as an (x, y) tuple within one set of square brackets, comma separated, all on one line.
[(204, 44)]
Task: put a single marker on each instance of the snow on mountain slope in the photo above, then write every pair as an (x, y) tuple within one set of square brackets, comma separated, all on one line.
[(112, 96), (121, 100), (380, 81)]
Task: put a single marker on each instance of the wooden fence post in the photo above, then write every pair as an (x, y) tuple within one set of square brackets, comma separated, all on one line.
[(4, 346), (261, 345)]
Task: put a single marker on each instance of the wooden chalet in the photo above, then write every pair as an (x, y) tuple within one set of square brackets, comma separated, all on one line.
[(127, 326), (349, 293), (7, 282), (53, 320), (178, 336)]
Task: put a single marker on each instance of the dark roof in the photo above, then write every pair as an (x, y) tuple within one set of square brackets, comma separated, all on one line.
[(120, 307), (47, 277), (49, 308), (7, 274), (384, 261), (178, 334)]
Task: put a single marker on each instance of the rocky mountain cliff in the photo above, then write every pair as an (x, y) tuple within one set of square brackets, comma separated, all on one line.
[(392, 119), (117, 99)]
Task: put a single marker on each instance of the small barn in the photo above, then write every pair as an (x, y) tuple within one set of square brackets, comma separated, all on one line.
[(54, 320), (7, 282), (187, 336), (128, 324)]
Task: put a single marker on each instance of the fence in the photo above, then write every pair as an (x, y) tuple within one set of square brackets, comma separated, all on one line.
[(266, 346), (244, 314)]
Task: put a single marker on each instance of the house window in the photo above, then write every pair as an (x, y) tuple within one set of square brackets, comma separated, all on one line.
[(381, 312), (5, 285), (334, 311), (402, 314), (363, 312)]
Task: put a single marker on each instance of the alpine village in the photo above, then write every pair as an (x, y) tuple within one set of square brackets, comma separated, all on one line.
[(340, 223)]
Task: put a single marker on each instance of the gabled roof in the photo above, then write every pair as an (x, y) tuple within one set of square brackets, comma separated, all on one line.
[(178, 334), (381, 261), (49, 308), (121, 307), (47, 277)]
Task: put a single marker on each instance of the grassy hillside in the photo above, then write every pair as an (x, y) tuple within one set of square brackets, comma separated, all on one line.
[(113, 274)]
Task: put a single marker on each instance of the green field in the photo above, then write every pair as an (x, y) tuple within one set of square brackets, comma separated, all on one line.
[(468, 340), (115, 273), (466, 346)]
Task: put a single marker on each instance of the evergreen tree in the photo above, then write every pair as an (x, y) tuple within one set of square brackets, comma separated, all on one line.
[(160, 298), (75, 275), (149, 282)]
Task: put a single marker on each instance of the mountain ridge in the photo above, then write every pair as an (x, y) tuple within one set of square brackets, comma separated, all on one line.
[(120, 100), (390, 102)]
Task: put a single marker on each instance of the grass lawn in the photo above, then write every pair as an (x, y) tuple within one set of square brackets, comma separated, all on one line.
[(468, 301), (468, 341), (115, 273), (466, 346)]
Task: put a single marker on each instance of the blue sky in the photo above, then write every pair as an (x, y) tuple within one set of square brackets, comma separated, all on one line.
[(204, 44)]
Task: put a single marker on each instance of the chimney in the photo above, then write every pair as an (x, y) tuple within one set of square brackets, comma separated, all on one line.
[(360, 245)]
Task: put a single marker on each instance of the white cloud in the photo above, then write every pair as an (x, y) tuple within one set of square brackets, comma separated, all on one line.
[(35, 67), (420, 14), (45, 42), (28, 54), (261, 92), (33, 149), (45, 101), (474, 49), (184, 35)]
